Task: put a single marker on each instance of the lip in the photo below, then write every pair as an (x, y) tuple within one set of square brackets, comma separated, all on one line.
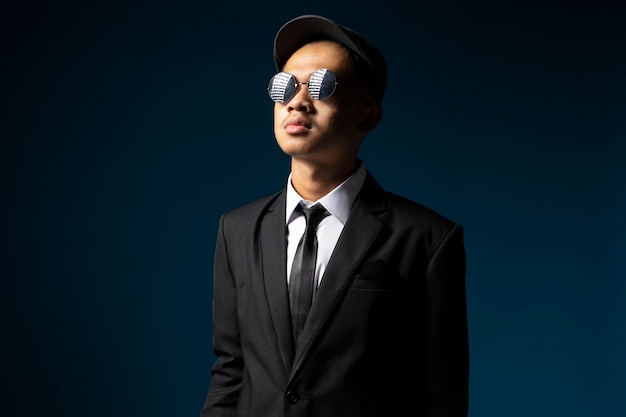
[(297, 125)]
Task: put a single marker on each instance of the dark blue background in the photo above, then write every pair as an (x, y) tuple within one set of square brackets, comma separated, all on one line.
[(128, 129)]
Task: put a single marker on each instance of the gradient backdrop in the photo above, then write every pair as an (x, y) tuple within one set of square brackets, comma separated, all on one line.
[(128, 128)]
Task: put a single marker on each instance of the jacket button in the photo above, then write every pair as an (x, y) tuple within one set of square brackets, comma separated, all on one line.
[(293, 397)]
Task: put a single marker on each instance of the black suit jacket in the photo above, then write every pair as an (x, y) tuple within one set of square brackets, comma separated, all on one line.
[(386, 335)]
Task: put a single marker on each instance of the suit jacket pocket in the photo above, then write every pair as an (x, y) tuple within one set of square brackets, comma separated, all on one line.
[(375, 275)]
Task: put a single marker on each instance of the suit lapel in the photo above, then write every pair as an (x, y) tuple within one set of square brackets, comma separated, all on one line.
[(273, 254), (358, 234)]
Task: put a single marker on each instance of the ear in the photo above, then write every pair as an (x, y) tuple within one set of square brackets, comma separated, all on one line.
[(372, 117)]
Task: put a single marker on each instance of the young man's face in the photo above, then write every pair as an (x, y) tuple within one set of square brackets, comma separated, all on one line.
[(323, 132)]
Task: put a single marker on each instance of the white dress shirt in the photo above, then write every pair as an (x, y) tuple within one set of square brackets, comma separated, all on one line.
[(338, 203)]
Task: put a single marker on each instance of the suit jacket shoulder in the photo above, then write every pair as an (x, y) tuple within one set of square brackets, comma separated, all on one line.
[(405, 216), (248, 214), (418, 212)]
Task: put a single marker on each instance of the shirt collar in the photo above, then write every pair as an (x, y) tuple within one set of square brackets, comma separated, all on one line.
[(338, 202)]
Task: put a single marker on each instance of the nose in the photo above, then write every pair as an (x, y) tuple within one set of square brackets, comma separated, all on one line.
[(302, 101)]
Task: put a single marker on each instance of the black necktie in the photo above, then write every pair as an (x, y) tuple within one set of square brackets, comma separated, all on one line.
[(302, 278)]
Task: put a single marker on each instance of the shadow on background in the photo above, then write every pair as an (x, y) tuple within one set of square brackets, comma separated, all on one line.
[(127, 130)]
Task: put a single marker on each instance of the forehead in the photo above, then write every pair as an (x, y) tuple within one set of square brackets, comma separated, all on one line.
[(320, 54)]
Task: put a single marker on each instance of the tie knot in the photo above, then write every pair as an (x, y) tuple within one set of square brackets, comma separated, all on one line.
[(313, 215)]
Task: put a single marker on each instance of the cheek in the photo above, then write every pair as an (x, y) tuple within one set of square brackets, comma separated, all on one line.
[(330, 112), (345, 113), (279, 115), (343, 121)]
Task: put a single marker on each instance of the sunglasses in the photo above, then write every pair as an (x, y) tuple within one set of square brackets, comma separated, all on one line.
[(321, 85)]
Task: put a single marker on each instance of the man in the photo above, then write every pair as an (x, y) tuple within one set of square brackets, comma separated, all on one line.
[(377, 326)]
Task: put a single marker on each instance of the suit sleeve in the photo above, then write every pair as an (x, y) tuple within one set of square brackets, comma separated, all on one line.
[(447, 333), (227, 371)]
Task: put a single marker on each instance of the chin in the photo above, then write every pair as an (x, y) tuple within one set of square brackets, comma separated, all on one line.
[(291, 144), (293, 151)]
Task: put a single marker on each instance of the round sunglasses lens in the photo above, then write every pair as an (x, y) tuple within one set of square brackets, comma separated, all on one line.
[(322, 84), (282, 87)]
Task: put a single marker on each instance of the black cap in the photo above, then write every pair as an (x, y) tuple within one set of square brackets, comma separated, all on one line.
[(303, 29)]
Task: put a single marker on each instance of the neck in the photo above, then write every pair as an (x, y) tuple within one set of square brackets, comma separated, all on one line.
[(313, 181)]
